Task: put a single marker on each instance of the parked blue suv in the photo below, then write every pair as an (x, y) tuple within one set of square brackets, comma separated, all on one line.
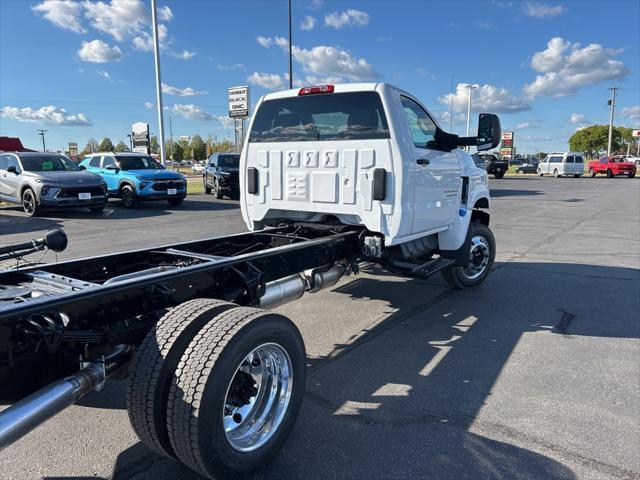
[(133, 177)]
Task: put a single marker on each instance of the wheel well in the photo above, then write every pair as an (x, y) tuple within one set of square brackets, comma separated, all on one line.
[(24, 187), (126, 182), (480, 216)]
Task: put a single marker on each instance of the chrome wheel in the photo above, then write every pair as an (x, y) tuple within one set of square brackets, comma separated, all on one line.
[(257, 397), (478, 258)]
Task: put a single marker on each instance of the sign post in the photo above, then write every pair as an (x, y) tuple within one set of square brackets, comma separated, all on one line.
[(140, 137), (636, 134), (506, 149), (239, 110), (73, 151)]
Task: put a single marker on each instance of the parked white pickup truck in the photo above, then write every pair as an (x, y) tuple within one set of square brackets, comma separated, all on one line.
[(371, 154)]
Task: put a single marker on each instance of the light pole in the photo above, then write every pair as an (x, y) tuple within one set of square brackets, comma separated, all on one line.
[(41, 133), (130, 142), (612, 102), (290, 58), (469, 88), (156, 56)]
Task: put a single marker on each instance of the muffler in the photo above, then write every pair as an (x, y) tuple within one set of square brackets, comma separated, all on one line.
[(288, 289), (25, 415)]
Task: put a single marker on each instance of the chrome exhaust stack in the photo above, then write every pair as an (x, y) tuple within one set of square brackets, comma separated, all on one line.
[(288, 289), (25, 415)]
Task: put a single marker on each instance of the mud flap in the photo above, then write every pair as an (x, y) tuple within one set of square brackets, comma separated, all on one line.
[(461, 255)]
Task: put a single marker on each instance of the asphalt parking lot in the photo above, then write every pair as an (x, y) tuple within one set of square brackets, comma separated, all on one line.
[(534, 375)]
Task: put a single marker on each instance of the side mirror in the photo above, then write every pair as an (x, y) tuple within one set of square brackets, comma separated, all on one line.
[(489, 131), (82, 167), (12, 169), (111, 167)]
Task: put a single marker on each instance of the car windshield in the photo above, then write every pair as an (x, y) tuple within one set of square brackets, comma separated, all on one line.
[(616, 160), (228, 161), (141, 162), (48, 163)]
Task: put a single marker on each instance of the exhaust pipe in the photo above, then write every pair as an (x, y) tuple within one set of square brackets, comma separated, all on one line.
[(288, 289), (25, 415)]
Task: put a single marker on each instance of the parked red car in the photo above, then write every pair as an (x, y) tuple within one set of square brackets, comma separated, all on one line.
[(612, 166)]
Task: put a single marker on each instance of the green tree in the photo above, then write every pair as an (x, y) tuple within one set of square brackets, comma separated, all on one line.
[(154, 145), (198, 148), (186, 149), (590, 140), (121, 147), (106, 145), (178, 152)]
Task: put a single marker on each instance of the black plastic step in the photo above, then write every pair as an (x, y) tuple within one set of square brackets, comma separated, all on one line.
[(432, 266)]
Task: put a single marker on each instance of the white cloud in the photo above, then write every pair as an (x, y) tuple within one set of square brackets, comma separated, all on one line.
[(632, 113), (578, 118), (325, 60), (181, 92), (144, 41), (271, 81), (485, 25), (225, 122), (308, 23), (49, 115), (265, 42), (541, 10), (165, 14), (62, 13), (349, 18), (487, 98), (149, 105), (566, 67), (97, 51), (191, 112), (235, 66), (121, 18), (524, 125), (444, 117), (183, 55), (425, 73), (104, 74)]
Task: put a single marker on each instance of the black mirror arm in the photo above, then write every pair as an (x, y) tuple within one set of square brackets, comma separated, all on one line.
[(449, 141)]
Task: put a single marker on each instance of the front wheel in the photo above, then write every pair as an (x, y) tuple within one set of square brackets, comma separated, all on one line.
[(592, 172), (556, 173), (498, 175), (577, 175), (30, 203), (540, 173), (128, 196), (610, 173), (237, 392), (216, 191), (481, 257), (631, 175)]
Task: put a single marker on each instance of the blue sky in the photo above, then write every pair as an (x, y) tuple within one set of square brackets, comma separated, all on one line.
[(84, 69)]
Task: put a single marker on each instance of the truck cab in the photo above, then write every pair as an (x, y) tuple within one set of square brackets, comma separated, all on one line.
[(365, 154)]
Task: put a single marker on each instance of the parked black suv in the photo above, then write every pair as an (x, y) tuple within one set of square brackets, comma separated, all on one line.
[(221, 175), (491, 164)]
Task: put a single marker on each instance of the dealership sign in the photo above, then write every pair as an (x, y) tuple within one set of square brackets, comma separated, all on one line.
[(239, 102), (140, 137), (73, 151), (506, 149), (636, 133)]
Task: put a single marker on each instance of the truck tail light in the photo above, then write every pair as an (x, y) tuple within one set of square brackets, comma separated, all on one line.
[(315, 90)]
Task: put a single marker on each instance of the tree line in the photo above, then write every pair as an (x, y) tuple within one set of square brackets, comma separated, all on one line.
[(194, 149), (595, 139)]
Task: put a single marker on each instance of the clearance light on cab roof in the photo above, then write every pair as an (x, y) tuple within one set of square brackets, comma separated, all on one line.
[(316, 89)]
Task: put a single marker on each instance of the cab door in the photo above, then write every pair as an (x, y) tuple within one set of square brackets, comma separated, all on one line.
[(436, 178), (9, 181)]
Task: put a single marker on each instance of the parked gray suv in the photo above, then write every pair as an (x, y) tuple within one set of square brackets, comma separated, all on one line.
[(43, 180)]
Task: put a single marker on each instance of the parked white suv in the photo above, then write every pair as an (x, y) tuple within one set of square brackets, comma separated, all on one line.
[(371, 155), (562, 164)]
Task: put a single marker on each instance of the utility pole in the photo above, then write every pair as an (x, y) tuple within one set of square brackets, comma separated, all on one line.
[(290, 54), (451, 106), (612, 102), (469, 88), (156, 55), (41, 133), (130, 142), (171, 141)]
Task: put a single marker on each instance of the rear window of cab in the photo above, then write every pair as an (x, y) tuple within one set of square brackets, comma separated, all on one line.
[(334, 116)]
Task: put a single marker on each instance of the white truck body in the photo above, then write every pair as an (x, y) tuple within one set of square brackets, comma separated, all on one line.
[(313, 178)]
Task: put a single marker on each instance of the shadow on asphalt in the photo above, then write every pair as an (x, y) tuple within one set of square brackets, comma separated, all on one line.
[(400, 400), (497, 192)]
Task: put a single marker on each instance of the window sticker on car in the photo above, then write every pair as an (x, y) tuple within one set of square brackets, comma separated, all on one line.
[(47, 166)]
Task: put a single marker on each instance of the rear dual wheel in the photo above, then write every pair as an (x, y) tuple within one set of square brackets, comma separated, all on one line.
[(218, 386)]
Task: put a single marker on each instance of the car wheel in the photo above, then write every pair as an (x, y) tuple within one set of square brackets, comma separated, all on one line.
[(30, 203), (216, 190), (519, 171), (176, 202), (577, 175), (609, 173), (481, 257), (556, 173), (631, 175), (498, 175), (97, 209), (128, 196), (592, 172), (540, 173)]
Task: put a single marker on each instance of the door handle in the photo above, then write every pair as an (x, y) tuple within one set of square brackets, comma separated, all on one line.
[(423, 161)]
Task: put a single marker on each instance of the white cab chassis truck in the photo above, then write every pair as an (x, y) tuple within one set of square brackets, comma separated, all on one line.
[(331, 176), (371, 155)]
